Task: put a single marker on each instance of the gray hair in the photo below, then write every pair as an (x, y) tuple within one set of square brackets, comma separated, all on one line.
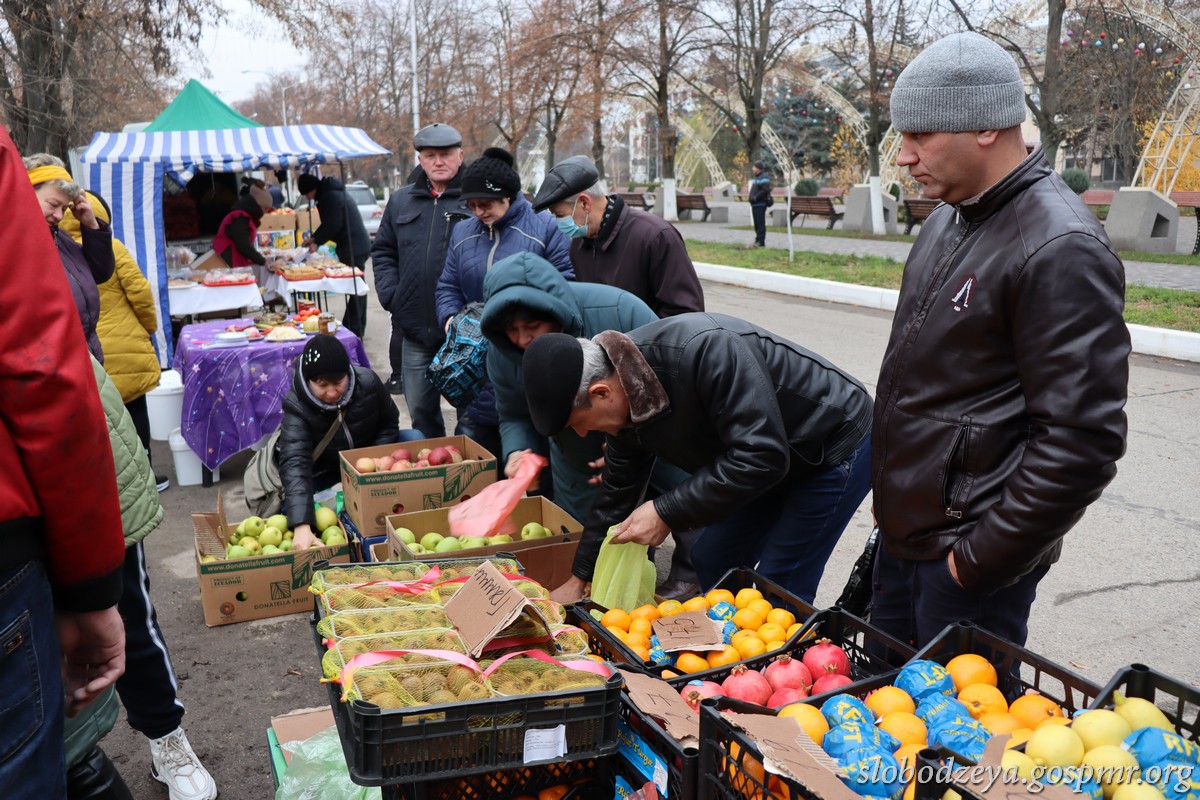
[(596, 366), (72, 190)]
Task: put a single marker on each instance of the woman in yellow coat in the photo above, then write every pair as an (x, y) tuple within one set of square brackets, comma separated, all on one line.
[(127, 320)]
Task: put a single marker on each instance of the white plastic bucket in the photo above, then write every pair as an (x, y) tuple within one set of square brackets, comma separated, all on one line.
[(189, 471), (164, 403)]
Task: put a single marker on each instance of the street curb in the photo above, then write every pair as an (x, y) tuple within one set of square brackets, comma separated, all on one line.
[(1163, 342)]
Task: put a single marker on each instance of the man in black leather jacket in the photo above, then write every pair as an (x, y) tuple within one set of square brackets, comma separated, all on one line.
[(775, 437), (999, 410), (407, 259)]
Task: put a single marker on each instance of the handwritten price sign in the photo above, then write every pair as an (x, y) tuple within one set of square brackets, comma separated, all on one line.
[(691, 630), (487, 604)]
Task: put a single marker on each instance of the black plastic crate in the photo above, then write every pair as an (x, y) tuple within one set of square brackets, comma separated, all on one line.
[(1180, 702), (505, 784), (1018, 669), (679, 763), (723, 775), (456, 740), (609, 646)]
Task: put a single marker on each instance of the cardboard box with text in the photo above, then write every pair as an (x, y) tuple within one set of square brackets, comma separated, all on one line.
[(256, 587), (370, 497)]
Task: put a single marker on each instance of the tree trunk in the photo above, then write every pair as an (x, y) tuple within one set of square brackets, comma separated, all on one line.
[(1046, 115), (598, 90)]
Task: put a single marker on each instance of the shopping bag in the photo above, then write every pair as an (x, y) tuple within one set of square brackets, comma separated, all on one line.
[(459, 368), (488, 513), (856, 595)]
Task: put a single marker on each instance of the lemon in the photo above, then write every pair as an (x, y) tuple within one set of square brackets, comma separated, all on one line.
[(1141, 713), (1055, 746), (1111, 766), (1016, 760), (1138, 790), (1101, 726)]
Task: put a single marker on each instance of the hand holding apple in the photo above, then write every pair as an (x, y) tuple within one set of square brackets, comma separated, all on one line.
[(304, 537)]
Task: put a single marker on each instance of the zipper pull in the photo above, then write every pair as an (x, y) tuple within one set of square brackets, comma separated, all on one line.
[(950, 512)]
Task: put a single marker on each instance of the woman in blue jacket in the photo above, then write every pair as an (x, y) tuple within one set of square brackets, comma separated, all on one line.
[(504, 224)]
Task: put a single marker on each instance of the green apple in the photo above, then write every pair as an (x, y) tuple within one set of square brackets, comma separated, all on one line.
[(469, 542), (253, 526), (270, 536), (288, 535), (208, 559), (502, 538), (277, 521), (333, 535), (285, 545), (417, 548), (251, 546), (447, 545), (270, 550), (233, 540), (241, 528), (326, 518), (430, 541), (534, 530), (406, 536), (237, 551)]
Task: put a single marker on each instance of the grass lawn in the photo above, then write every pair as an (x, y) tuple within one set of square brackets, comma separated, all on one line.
[(1159, 308)]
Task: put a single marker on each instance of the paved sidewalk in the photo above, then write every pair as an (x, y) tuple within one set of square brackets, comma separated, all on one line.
[(1145, 273)]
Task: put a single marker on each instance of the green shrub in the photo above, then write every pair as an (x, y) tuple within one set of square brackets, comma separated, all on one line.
[(1076, 179), (807, 187)]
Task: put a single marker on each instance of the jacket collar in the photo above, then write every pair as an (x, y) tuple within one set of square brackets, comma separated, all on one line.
[(615, 216), (305, 391), (645, 393), (1030, 171), (421, 185)]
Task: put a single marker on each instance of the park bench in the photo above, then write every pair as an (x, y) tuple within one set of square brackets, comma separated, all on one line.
[(918, 210), (1099, 197), (832, 192), (1189, 200), (635, 199), (816, 207), (693, 202)]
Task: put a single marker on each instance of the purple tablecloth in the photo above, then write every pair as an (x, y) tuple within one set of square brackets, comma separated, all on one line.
[(233, 396)]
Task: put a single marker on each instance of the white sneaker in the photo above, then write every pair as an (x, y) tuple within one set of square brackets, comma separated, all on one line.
[(173, 762)]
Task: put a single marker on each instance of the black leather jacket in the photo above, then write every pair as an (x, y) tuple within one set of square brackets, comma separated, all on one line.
[(370, 417), (999, 410), (737, 406), (410, 251)]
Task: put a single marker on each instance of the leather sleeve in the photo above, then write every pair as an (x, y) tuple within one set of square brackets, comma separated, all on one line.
[(626, 474), (730, 382), (1071, 348), (293, 452)]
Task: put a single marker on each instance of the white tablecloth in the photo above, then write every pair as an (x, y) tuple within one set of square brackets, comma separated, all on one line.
[(284, 288), (201, 299)]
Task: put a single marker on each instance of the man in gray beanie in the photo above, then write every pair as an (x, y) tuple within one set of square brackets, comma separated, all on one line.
[(999, 412)]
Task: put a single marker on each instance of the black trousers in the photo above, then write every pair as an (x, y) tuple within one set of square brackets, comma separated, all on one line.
[(148, 687), (141, 422), (355, 317), (760, 224)]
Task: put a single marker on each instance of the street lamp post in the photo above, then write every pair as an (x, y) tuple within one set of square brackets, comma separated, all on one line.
[(283, 87)]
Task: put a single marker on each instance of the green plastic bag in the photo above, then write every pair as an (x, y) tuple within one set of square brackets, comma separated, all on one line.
[(318, 772), (624, 576)]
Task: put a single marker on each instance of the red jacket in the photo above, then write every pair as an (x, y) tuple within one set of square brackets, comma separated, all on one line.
[(55, 459)]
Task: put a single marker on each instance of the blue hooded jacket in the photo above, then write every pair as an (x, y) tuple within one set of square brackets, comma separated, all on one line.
[(475, 248)]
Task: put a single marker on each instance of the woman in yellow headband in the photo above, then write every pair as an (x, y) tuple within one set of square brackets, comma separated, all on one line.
[(87, 264)]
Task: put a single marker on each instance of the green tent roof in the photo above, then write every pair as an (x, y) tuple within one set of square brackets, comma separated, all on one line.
[(198, 109)]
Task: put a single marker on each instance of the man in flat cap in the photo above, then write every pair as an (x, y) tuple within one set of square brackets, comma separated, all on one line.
[(617, 245), (999, 409), (776, 438), (407, 258)]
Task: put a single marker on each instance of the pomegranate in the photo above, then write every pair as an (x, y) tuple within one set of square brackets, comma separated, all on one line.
[(787, 673), (747, 684), (786, 696), (825, 657), (696, 691), (829, 682)]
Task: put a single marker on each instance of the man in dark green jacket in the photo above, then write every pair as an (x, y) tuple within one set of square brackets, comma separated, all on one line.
[(526, 296)]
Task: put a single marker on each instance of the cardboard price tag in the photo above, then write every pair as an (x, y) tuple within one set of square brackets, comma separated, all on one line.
[(787, 750), (487, 604), (657, 699), (691, 630)]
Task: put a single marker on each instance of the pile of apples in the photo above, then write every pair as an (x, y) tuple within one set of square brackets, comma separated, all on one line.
[(255, 536), (433, 542), (402, 459)]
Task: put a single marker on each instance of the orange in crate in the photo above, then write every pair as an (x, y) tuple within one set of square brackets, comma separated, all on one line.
[(748, 620), (720, 596), (641, 626), (969, 668), (724, 657), (695, 604), (616, 618), (646, 612), (744, 596), (690, 662), (781, 617)]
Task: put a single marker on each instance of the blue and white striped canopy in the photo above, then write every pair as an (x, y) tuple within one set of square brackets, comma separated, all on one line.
[(235, 149)]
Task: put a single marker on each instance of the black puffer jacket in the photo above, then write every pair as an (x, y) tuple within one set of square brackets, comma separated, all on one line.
[(999, 413), (341, 223), (370, 417), (410, 252), (737, 406)]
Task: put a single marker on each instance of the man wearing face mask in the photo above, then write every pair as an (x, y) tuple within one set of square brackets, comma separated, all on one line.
[(614, 244)]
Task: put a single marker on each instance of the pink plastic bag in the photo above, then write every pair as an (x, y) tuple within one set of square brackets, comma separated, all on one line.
[(488, 513)]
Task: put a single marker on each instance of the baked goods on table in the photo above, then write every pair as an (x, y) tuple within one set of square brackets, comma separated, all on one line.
[(284, 333), (302, 273), (343, 271)]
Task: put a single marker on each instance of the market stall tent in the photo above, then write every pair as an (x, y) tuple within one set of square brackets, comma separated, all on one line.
[(196, 108), (128, 169)]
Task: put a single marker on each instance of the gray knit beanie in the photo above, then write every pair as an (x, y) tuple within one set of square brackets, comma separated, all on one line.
[(964, 82)]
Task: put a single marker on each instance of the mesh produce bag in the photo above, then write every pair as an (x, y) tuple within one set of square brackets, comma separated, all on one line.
[(359, 574), (342, 651), (365, 622), (459, 368), (378, 595)]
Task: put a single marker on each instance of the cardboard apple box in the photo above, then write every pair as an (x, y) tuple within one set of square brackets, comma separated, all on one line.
[(307, 221), (277, 222), (295, 726), (257, 587), (370, 497), (209, 260), (547, 561)]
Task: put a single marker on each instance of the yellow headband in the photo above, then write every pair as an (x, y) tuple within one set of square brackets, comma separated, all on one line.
[(39, 175)]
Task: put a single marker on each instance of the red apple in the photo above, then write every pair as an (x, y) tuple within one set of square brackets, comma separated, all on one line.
[(401, 465), (439, 456), (421, 463), (384, 463), (456, 455), (401, 454), (365, 465)]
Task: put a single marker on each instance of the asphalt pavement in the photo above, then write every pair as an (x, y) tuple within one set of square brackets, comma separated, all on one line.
[(1127, 589)]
